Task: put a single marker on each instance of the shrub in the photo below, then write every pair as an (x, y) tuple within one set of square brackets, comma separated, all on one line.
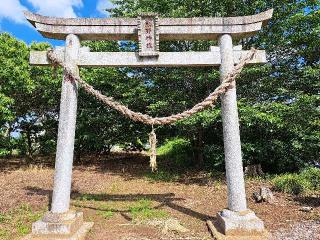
[(214, 157), (307, 180), (179, 150), (290, 183), (312, 175)]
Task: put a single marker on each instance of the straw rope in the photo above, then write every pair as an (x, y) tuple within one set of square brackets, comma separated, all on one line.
[(226, 83)]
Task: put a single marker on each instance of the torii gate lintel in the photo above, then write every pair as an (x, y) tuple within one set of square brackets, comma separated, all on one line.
[(86, 58)]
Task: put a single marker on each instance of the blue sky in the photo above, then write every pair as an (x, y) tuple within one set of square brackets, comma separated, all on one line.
[(13, 21)]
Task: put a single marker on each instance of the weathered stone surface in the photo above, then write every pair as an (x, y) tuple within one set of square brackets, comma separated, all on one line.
[(257, 197), (173, 225), (261, 17), (219, 236), (59, 217), (148, 35), (264, 195), (306, 209), (169, 29), (131, 59), (239, 223), (167, 225), (231, 134), (66, 131), (55, 226)]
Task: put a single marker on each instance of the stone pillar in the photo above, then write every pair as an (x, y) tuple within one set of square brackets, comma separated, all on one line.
[(66, 132), (61, 222), (236, 220), (231, 134)]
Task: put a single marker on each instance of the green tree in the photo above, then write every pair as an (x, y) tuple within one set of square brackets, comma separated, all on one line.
[(278, 102), (15, 81), (272, 98)]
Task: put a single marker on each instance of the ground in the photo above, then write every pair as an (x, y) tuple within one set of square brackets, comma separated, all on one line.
[(121, 196)]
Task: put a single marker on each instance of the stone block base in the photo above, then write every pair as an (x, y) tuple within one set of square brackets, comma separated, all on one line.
[(66, 226), (239, 225)]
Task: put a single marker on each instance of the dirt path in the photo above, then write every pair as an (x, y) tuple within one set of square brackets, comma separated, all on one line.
[(109, 194)]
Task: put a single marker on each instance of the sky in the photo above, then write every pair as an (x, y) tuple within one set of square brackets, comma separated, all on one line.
[(13, 21)]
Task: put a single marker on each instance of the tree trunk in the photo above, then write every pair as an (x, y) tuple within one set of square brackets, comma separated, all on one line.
[(198, 148), (253, 170), (8, 137), (29, 141), (29, 146), (78, 155)]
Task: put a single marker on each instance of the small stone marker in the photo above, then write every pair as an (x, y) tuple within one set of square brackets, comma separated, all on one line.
[(306, 209), (148, 35), (264, 195)]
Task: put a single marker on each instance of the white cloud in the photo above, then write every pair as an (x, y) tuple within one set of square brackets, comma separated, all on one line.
[(102, 5), (12, 10), (56, 8)]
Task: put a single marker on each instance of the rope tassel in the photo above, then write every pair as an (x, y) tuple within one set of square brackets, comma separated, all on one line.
[(153, 150)]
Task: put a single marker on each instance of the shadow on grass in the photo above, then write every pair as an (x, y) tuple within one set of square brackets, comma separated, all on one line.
[(129, 165), (163, 200), (308, 200)]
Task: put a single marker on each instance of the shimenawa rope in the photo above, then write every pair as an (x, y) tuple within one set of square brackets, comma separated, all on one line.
[(226, 83)]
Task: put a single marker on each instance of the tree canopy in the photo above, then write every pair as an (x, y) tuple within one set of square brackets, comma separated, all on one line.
[(278, 102)]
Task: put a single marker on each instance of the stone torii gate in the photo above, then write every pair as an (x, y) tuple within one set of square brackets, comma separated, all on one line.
[(62, 223)]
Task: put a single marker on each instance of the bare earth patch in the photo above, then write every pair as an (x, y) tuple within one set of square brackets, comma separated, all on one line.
[(122, 198)]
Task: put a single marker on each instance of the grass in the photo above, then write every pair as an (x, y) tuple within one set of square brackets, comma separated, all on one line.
[(18, 221), (4, 218), (161, 176), (139, 210), (89, 197), (4, 233), (142, 210), (106, 214), (106, 211)]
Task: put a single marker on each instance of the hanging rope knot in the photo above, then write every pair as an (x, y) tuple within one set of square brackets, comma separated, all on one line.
[(153, 150)]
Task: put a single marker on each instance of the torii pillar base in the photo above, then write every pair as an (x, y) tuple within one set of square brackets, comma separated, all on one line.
[(232, 225), (65, 226)]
